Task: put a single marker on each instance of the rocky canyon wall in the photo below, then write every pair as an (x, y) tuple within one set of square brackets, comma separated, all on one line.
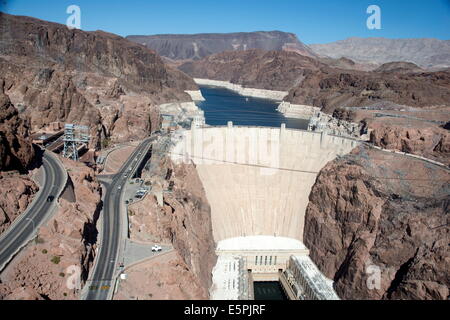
[(432, 141), (183, 219), (97, 79), (64, 248), (373, 211), (16, 151), (16, 157)]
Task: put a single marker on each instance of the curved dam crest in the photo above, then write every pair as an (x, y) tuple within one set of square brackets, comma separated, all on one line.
[(257, 179)]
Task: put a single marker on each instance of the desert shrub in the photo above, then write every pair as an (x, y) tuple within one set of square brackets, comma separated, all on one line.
[(55, 259)]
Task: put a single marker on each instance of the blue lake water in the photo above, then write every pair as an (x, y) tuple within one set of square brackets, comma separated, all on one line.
[(223, 105)]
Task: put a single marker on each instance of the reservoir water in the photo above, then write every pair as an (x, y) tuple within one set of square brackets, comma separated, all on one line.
[(223, 105)]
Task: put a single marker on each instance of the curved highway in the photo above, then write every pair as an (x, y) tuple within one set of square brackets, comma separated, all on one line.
[(24, 228), (101, 283)]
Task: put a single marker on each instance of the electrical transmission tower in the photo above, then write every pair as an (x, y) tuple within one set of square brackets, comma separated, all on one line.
[(74, 137)]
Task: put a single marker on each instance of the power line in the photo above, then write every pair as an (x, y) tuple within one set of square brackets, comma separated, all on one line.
[(290, 169)]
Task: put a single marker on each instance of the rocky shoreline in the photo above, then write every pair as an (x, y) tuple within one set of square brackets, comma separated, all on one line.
[(251, 92), (297, 111), (196, 95)]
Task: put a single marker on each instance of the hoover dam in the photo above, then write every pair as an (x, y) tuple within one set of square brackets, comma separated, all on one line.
[(257, 181)]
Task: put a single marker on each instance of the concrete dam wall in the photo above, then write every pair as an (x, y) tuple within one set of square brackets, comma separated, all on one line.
[(257, 179)]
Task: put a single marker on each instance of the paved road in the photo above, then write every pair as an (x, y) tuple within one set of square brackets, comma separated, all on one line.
[(24, 228), (138, 252), (101, 282)]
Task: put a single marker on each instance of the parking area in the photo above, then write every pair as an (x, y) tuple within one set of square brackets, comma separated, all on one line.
[(136, 189)]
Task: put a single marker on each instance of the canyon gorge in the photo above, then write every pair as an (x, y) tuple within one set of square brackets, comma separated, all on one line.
[(375, 197)]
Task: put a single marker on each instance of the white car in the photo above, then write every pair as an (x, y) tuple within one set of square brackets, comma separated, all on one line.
[(119, 187), (156, 248)]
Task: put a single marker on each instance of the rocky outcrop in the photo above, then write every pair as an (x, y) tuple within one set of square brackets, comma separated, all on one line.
[(270, 70), (182, 219), (16, 156), (63, 251), (323, 122), (198, 46), (167, 277), (399, 66), (345, 63), (374, 213), (16, 151), (92, 78), (16, 193), (333, 88), (97, 52), (431, 142)]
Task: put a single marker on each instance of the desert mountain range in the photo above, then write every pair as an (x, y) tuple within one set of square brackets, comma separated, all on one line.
[(198, 46), (427, 53)]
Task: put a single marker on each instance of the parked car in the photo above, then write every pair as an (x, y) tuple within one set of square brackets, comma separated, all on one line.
[(156, 248)]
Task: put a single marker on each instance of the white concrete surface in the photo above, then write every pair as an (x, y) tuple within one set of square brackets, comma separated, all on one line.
[(258, 179), (311, 283), (183, 112), (251, 92), (298, 111), (177, 107), (260, 243), (263, 255), (196, 95), (227, 278)]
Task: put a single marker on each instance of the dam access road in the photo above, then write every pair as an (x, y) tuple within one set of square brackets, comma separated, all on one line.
[(25, 227), (114, 229)]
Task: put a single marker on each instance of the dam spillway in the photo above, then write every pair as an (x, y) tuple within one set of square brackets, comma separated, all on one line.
[(258, 179)]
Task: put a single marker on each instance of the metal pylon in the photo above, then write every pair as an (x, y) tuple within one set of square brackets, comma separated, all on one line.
[(74, 136)]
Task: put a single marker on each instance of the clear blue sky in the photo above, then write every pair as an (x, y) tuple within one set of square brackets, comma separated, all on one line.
[(314, 21)]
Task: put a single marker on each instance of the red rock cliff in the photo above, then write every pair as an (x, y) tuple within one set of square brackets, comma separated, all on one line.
[(375, 208), (16, 151), (90, 78)]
